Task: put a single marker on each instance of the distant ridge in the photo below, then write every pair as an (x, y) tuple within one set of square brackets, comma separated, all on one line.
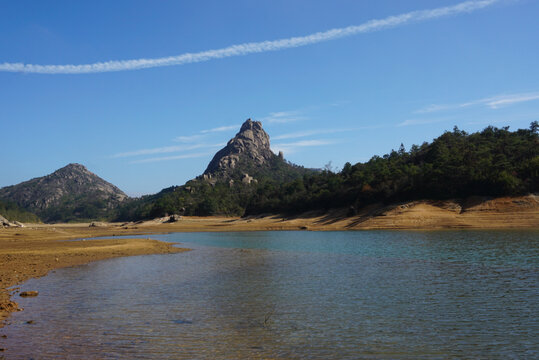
[(69, 193)]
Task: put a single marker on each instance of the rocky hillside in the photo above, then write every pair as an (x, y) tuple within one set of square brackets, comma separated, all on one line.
[(70, 193), (248, 157), (232, 177), (250, 144)]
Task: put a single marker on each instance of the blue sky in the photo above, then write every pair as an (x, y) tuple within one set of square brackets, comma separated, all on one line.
[(360, 92)]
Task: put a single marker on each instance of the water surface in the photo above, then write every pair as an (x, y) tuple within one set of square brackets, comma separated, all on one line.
[(318, 295)]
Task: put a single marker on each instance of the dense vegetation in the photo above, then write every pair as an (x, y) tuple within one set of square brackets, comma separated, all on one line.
[(80, 208), (201, 197), (13, 212), (493, 162)]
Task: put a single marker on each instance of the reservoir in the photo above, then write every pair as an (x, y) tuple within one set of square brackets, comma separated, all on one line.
[(293, 295)]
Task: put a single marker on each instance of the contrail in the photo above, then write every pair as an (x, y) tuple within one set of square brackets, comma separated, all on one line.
[(253, 47)]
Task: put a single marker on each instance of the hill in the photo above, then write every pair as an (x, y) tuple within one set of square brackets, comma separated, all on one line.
[(230, 180), (494, 162), (68, 194), (491, 163), (248, 157)]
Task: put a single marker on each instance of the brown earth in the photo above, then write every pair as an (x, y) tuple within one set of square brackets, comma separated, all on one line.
[(34, 250)]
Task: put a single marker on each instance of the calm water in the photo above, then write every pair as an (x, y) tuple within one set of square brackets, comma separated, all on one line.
[(315, 295)]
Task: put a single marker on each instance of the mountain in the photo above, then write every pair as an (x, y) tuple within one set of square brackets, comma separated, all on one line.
[(250, 145), (231, 179), (70, 193), (248, 157), (456, 165)]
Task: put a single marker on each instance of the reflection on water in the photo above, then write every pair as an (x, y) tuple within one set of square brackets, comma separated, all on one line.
[(294, 295)]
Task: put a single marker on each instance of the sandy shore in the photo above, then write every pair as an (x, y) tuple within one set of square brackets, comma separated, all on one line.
[(34, 250)]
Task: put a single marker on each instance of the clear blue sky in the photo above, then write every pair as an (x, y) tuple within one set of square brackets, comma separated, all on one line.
[(344, 99)]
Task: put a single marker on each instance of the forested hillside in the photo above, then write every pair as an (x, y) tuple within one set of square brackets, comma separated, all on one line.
[(12, 212), (493, 162)]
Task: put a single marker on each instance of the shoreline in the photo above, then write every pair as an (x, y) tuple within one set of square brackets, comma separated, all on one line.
[(36, 249)]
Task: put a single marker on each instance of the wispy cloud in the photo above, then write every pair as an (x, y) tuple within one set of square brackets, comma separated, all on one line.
[(168, 158), (292, 147), (254, 47), (221, 128), (283, 117), (306, 133), (164, 150), (500, 101), (189, 138), (494, 102), (426, 121), (203, 133)]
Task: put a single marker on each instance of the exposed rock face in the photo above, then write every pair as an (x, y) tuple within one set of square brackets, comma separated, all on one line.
[(73, 181), (251, 144), (5, 222)]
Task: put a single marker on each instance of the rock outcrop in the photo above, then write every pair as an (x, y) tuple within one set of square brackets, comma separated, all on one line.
[(72, 186), (6, 223), (251, 145), (247, 158)]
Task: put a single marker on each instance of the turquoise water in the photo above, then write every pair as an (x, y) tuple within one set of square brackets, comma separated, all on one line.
[(294, 295)]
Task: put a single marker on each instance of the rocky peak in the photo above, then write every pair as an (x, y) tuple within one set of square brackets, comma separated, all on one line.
[(70, 182), (73, 167), (71, 170), (251, 144)]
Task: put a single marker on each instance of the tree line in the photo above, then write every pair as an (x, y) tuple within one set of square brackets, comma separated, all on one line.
[(492, 162)]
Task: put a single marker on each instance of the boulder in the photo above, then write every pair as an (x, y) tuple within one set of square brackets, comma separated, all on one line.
[(174, 218), (6, 223)]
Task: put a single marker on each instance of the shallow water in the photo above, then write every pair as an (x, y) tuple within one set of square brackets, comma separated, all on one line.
[(317, 295)]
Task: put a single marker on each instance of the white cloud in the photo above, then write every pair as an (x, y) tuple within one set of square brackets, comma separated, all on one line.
[(410, 122), (189, 138), (220, 128), (203, 133), (499, 101), (283, 117), (494, 102), (292, 147), (306, 133), (167, 158), (254, 47), (164, 150)]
